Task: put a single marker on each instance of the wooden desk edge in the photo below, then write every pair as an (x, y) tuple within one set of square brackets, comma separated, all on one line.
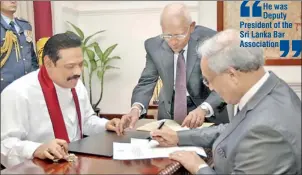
[(169, 169)]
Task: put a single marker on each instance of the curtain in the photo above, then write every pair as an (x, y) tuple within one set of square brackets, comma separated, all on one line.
[(43, 25)]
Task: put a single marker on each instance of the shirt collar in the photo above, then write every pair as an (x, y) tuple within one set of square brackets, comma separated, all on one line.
[(61, 89), (185, 48), (252, 91), (7, 19)]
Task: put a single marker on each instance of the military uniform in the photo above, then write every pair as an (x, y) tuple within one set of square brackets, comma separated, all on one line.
[(22, 57)]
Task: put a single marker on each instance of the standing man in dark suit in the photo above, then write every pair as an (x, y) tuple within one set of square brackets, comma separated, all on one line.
[(17, 52), (173, 57)]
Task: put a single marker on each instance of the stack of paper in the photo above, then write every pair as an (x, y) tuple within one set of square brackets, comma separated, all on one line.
[(143, 149), (169, 123)]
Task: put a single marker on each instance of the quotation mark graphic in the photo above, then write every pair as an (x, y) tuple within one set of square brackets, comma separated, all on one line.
[(245, 10), (296, 46)]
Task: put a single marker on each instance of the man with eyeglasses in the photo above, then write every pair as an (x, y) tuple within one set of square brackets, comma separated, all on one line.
[(173, 57), (264, 132)]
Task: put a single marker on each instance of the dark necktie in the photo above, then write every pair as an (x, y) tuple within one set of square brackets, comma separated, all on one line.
[(12, 25), (180, 99)]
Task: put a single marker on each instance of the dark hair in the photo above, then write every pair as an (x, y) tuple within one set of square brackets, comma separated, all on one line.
[(60, 41)]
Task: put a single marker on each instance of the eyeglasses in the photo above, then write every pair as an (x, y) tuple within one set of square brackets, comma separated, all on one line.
[(205, 82), (177, 36)]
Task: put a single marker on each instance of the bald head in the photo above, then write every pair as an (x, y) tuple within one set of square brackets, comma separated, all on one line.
[(177, 13), (176, 23)]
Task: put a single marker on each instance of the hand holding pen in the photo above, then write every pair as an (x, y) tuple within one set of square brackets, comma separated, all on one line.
[(165, 136), (161, 124)]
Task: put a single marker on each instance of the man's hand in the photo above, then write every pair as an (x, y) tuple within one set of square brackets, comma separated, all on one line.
[(195, 118), (128, 120), (165, 136), (112, 125), (56, 149), (189, 159)]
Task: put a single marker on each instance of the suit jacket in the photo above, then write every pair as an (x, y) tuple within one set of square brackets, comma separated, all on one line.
[(14, 69), (160, 62), (263, 138)]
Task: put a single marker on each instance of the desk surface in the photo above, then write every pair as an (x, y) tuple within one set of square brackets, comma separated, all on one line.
[(86, 164), (91, 165)]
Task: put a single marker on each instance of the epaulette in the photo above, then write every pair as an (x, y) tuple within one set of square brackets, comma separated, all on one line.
[(22, 19)]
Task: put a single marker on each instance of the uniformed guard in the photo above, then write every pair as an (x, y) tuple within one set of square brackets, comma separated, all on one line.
[(17, 51)]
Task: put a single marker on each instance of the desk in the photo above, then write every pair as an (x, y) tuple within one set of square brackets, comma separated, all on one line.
[(86, 164)]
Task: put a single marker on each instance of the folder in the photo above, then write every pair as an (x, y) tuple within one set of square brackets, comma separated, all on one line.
[(172, 124)]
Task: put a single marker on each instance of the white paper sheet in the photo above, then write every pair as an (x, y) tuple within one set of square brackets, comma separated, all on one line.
[(143, 149), (144, 142)]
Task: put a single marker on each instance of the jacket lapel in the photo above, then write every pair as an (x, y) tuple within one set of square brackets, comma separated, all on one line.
[(20, 25), (8, 27), (191, 57), (4, 25), (236, 120), (230, 109), (167, 59)]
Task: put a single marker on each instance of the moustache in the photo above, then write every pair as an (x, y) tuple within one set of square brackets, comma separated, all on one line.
[(74, 77)]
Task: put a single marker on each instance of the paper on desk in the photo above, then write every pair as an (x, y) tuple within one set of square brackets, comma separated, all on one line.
[(142, 149), (144, 142), (169, 123)]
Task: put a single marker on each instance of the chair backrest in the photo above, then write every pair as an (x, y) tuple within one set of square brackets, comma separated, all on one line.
[(155, 97), (40, 46)]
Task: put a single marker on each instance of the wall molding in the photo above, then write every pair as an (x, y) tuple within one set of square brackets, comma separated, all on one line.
[(70, 10), (122, 11), (296, 86)]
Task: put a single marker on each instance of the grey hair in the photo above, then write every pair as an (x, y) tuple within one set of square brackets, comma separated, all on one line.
[(223, 51), (178, 10)]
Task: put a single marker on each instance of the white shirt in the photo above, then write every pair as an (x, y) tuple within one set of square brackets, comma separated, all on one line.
[(25, 121), (250, 93), (8, 20)]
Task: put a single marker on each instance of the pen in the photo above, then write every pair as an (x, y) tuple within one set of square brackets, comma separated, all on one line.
[(159, 127), (161, 124)]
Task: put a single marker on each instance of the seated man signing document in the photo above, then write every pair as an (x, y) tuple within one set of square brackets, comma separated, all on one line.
[(264, 135), (44, 110)]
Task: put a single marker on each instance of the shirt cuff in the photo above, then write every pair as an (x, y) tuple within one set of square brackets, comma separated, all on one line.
[(203, 165), (143, 108), (29, 149), (210, 109), (103, 122)]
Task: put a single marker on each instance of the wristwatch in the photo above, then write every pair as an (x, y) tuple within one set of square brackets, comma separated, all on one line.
[(206, 109)]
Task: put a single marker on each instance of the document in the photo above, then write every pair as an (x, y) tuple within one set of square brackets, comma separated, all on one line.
[(169, 123), (143, 149)]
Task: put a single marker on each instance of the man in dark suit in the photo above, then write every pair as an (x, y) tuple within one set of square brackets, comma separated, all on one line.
[(173, 57), (17, 52)]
